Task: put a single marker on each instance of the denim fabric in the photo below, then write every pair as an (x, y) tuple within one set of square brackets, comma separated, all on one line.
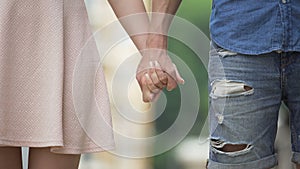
[(246, 92), (256, 27)]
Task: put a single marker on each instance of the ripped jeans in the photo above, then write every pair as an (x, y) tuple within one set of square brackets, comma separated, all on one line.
[(246, 92)]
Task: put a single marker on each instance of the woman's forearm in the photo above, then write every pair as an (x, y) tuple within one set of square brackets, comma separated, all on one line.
[(134, 18)]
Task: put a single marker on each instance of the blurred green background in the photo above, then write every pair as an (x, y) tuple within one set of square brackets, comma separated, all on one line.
[(196, 12)]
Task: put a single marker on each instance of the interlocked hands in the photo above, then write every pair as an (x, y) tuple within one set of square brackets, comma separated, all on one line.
[(155, 72)]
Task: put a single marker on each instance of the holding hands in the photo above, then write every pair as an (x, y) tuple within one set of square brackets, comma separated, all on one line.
[(156, 70)]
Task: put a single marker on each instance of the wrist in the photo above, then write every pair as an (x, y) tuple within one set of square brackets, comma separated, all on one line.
[(157, 41)]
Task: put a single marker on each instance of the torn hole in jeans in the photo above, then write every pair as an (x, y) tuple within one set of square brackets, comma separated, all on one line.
[(230, 149), (227, 88)]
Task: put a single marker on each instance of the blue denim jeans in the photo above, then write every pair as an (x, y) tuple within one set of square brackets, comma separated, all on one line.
[(246, 92)]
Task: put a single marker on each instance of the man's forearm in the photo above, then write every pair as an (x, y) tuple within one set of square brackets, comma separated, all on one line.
[(133, 17), (162, 16), (165, 6), (163, 12)]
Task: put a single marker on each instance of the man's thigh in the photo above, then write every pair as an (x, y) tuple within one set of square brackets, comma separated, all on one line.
[(245, 96)]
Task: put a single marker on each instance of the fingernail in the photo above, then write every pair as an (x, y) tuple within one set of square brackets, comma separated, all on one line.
[(147, 76), (156, 63), (182, 81), (151, 64)]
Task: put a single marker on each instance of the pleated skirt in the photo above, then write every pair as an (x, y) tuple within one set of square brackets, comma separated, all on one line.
[(52, 87)]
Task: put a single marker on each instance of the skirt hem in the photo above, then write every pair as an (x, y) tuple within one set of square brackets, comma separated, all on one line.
[(55, 146)]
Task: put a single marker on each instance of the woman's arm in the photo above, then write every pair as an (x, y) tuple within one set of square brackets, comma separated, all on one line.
[(133, 17)]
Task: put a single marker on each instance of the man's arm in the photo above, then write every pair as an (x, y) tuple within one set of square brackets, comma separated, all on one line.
[(163, 12)]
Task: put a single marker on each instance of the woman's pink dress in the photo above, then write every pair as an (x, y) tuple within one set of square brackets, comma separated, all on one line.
[(46, 47)]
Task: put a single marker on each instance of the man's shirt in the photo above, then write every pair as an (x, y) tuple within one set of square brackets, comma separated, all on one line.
[(256, 26)]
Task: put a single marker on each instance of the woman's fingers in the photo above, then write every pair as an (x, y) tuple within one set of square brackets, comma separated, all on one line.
[(154, 79), (149, 89), (150, 84), (147, 95), (162, 76)]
